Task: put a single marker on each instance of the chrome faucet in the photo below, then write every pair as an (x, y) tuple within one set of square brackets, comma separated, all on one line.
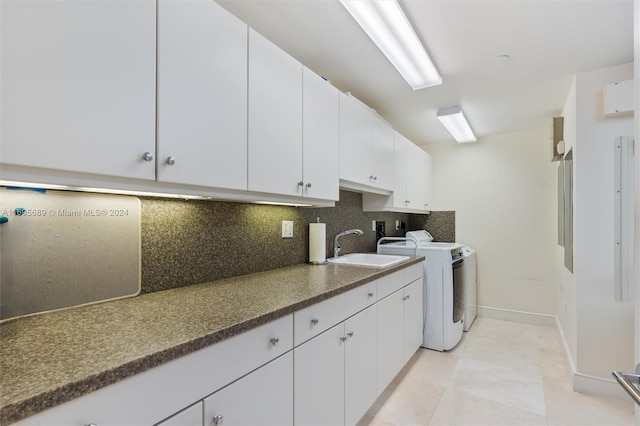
[(336, 245)]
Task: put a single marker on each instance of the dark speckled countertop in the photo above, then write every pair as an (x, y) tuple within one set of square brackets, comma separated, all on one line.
[(51, 358)]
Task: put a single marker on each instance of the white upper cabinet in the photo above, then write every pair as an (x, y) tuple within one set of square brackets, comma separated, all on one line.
[(202, 95), (275, 119), (293, 126), (412, 185), (382, 153), (321, 138), (366, 147), (355, 141), (418, 177), (78, 86)]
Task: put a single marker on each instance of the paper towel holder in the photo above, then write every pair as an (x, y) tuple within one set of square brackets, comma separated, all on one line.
[(317, 244)]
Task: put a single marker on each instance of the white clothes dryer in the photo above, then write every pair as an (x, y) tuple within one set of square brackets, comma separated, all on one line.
[(443, 287)]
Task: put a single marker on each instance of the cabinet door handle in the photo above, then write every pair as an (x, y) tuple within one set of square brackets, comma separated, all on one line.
[(148, 157), (308, 185), (274, 341), (217, 420), (343, 338), (314, 321), (171, 161), (370, 294), (350, 334), (301, 183)]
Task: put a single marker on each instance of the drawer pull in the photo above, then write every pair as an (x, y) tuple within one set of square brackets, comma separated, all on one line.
[(274, 341), (315, 321)]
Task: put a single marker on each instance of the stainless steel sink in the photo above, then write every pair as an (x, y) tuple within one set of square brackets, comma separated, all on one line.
[(371, 260)]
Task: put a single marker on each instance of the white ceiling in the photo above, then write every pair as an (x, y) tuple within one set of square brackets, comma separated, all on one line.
[(548, 41)]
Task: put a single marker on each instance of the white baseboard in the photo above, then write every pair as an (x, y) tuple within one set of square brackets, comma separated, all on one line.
[(583, 383), (586, 383), (517, 316)]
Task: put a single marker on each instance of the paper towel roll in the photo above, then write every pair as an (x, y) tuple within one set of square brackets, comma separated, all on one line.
[(317, 243)]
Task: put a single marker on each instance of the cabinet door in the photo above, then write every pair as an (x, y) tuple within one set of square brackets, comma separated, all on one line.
[(360, 365), (319, 379), (382, 164), (390, 338), (78, 85), (355, 141), (202, 95), (428, 182), (400, 146), (264, 397), (413, 318), (191, 416), (416, 177), (275, 119), (321, 137)]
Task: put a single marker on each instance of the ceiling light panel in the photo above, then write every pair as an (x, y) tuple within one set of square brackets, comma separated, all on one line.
[(386, 24), (456, 123)]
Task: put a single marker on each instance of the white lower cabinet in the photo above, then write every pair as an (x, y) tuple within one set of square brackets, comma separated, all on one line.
[(335, 373), (390, 321), (264, 397), (360, 365), (319, 379), (413, 318), (399, 330)]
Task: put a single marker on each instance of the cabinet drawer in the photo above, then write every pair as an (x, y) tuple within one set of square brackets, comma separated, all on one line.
[(156, 394), (412, 273), (390, 283), (315, 319)]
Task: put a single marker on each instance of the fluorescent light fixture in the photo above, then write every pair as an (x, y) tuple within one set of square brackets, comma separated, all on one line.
[(388, 27), (456, 123)]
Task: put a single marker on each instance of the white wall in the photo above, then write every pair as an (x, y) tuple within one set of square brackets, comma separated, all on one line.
[(605, 331), (503, 189)]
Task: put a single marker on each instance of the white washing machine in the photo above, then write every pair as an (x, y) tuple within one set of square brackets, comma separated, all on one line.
[(443, 287), (470, 296)]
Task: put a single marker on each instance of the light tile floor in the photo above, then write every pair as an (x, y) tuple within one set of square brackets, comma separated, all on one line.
[(501, 373)]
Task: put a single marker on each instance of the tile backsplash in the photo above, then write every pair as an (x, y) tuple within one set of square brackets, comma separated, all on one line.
[(187, 242), (441, 225)]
